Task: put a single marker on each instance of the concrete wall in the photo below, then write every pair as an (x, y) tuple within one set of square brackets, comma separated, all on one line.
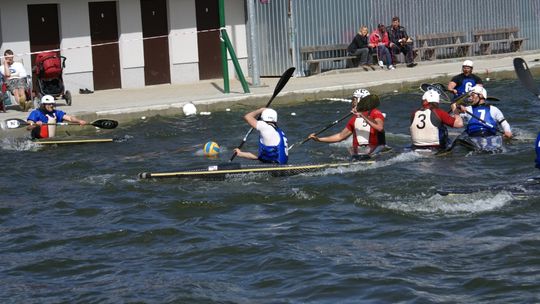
[(75, 38)]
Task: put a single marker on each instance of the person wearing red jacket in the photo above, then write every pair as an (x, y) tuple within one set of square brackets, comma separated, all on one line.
[(380, 41)]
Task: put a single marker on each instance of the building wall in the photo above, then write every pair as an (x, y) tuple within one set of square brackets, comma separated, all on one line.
[(76, 44)]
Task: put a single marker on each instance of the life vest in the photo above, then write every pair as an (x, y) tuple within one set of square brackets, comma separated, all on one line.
[(366, 135), (274, 154), (427, 129), (537, 160), (467, 85), (477, 128)]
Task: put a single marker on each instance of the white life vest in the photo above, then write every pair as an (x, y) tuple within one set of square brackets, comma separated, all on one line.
[(362, 130), (423, 131), (52, 128)]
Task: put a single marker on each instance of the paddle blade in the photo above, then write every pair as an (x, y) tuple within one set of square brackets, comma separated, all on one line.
[(105, 123), (15, 123), (368, 103), (281, 83), (525, 76)]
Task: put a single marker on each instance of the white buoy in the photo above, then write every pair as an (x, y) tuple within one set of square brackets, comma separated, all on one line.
[(205, 113), (143, 117), (293, 114), (189, 109), (487, 79)]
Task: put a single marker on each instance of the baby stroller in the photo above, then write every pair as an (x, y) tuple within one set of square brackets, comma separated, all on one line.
[(48, 70)]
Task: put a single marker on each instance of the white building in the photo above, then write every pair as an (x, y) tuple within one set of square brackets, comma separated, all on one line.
[(125, 43)]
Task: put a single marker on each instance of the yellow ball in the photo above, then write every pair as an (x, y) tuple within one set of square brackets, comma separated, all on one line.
[(211, 149)]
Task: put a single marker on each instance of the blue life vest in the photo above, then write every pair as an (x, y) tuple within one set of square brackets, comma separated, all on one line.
[(478, 128), (466, 85), (537, 160), (274, 154)]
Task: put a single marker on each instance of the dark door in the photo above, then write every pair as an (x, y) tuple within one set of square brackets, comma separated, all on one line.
[(208, 42), (105, 58), (43, 29), (156, 49)]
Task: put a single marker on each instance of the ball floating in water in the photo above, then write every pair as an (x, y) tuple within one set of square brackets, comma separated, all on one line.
[(293, 114), (143, 117), (189, 109), (211, 149)]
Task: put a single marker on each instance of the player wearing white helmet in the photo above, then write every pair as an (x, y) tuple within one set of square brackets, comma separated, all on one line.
[(41, 121), (366, 126), (272, 140), (485, 118), (428, 124), (464, 82)]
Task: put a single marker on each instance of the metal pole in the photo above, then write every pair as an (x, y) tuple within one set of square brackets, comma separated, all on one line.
[(224, 66), (254, 45)]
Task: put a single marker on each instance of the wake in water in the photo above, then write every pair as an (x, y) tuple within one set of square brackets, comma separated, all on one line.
[(450, 205), (19, 144)]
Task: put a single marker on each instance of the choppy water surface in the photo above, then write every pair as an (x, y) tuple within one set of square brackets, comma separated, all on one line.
[(78, 226)]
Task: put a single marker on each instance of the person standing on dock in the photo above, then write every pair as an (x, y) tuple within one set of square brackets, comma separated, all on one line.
[(272, 140), (41, 121)]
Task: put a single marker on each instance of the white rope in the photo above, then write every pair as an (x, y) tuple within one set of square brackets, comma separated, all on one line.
[(117, 42)]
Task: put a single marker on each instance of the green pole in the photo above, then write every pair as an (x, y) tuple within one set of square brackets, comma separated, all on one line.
[(237, 68), (223, 47)]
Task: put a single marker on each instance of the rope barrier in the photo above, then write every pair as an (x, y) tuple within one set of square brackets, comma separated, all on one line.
[(120, 40)]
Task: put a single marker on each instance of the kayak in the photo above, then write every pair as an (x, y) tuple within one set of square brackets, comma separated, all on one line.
[(70, 141), (222, 171), (480, 144)]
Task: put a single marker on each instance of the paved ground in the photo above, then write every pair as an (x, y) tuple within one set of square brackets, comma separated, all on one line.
[(126, 104)]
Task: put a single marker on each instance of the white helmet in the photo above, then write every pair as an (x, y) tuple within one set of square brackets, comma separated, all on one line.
[(480, 91), (48, 99), (361, 93), (468, 63), (269, 115), (431, 96)]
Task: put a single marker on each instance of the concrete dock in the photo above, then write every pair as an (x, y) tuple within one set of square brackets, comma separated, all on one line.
[(128, 104)]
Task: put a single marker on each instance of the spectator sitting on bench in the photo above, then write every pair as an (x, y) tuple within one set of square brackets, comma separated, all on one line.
[(15, 74), (400, 42), (379, 40), (359, 47)]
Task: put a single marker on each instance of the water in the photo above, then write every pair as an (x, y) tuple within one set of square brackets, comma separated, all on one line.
[(79, 227)]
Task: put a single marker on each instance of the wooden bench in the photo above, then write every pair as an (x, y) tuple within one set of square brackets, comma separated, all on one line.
[(453, 44), (314, 55), (499, 39)]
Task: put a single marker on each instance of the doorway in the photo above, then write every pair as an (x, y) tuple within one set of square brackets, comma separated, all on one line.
[(156, 50), (105, 58), (44, 31), (207, 13)]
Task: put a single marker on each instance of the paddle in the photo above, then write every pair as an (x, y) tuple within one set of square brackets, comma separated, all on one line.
[(439, 88), (525, 76), (367, 103), (335, 122), (279, 86), (100, 123)]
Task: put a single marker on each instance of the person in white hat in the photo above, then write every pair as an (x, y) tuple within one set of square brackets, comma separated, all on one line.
[(41, 121), (464, 82), (367, 128), (428, 124), (272, 140), (485, 118)]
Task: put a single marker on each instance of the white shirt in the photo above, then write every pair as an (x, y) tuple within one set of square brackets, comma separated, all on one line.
[(17, 71), (269, 135)]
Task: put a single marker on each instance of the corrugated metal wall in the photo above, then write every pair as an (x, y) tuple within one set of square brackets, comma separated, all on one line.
[(320, 22)]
